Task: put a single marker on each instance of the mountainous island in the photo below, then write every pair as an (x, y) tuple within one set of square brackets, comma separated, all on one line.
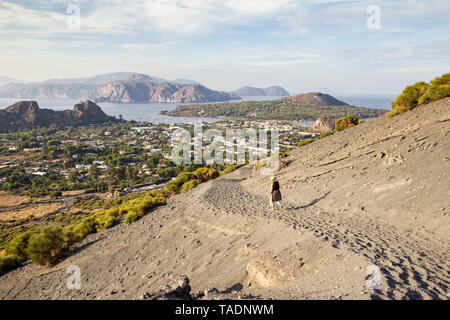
[(141, 88), (275, 91), (27, 114), (308, 106), (115, 87), (76, 88)]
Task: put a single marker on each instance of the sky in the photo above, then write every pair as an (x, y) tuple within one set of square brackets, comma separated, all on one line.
[(335, 46)]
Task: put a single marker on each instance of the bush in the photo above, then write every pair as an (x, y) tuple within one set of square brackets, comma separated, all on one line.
[(305, 142), (137, 208), (439, 89), (101, 220), (205, 174), (18, 245), (184, 177), (55, 194), (106, 221), (189, 186), (9, 262), (325, 134), (84, 228), (131, 217), (230, 168), (344, 123), (173, 187), (47, 244), (409, 98)]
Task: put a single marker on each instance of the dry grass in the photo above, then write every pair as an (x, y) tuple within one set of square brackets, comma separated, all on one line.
[(9, 200), (37, 210)]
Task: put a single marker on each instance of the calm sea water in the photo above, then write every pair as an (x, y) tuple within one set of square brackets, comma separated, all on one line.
[(129, 111), (150, 111), (376, 102)]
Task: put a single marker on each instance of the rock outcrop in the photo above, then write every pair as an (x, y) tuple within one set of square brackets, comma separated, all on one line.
[(27, 114), (141, 88), (179, 290), (324, 124), (275, 91)]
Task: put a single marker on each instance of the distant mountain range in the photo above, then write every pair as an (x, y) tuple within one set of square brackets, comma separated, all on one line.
[(252, 91), (127, 87), (76, 88), (142, 88), (6, 80), (27, 114)]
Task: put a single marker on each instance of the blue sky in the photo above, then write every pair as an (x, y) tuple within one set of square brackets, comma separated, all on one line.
[(300, 45)]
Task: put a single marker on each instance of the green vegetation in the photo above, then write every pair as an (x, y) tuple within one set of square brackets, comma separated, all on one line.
[(43, 245), (272, 110), (136, 209), (346, 122), (305, 142), (46, 245), (9, 262), (325, 134), (421, 93), (230, 168)]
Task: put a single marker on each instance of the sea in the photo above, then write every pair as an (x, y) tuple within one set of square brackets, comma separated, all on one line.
[(150, 112)]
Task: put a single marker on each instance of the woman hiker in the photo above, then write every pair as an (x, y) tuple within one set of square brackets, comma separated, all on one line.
[(275, 194)]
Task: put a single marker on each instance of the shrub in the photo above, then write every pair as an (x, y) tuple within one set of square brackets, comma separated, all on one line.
[(84, 228), (9, 262), (174, 186), (189, 186), (55, 194), (409, 98), (439, 89), (184, 177), (230, 168), (47, 244), (138, 207), (113, 212), (305, 142), (205, 174), (325, 134), (106, 222), (344, 123), (18, 245), (131, 217)]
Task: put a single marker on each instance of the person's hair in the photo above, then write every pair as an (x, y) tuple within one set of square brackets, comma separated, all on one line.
[(273, 178)]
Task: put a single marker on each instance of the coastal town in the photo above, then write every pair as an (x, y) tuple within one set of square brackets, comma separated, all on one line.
[(117, 158)]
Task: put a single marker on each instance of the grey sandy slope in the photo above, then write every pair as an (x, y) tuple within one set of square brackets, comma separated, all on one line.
[(375, 194)]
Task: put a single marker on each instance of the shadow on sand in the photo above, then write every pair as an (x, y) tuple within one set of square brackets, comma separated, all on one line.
[(312, 203)]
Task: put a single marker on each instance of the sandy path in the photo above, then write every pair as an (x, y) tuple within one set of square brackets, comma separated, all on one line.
[(413, 268)]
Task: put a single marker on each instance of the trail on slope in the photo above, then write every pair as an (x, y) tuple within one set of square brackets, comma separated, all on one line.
[(412, 268)]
